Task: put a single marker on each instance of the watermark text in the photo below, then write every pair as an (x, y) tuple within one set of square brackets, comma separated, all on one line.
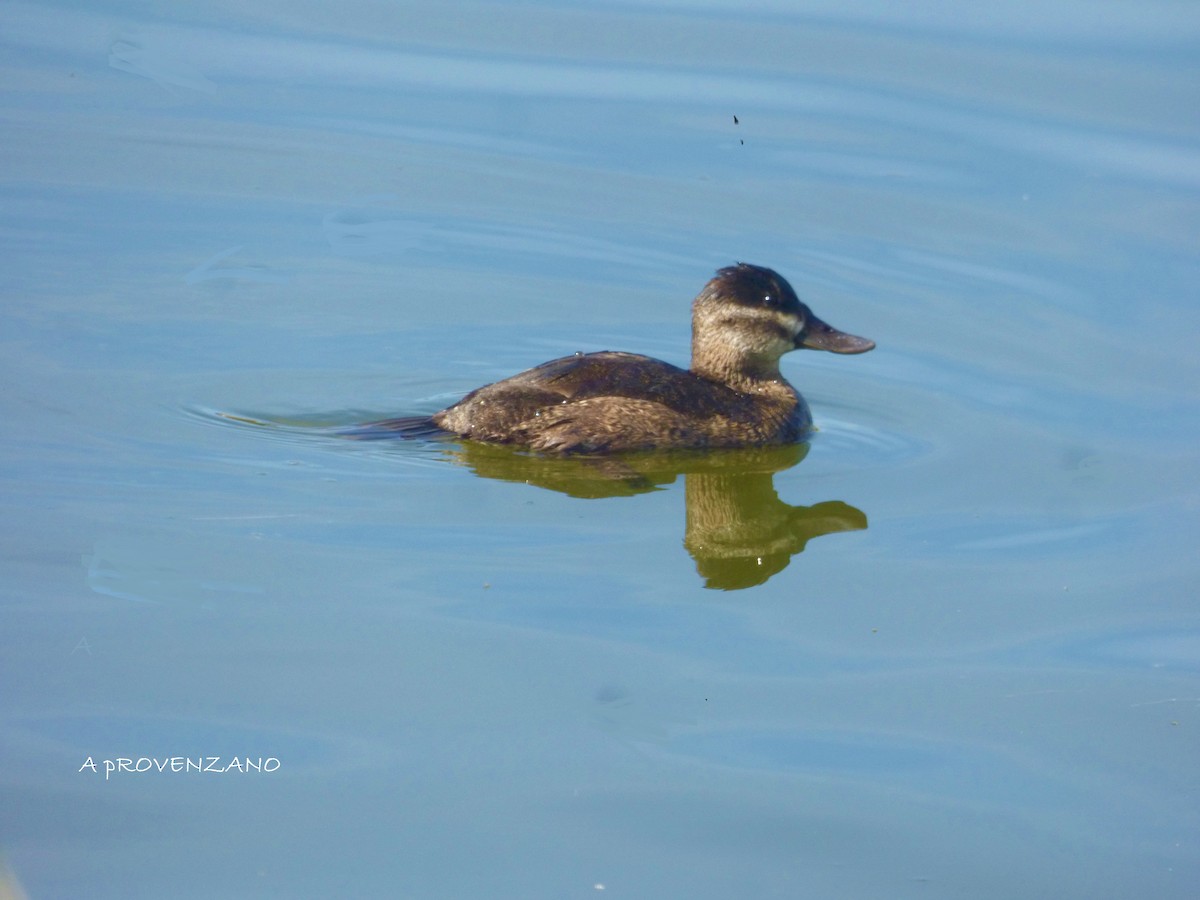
[(217, 765)]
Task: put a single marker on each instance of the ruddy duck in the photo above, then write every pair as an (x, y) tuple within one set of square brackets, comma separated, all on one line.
[(743, 321)]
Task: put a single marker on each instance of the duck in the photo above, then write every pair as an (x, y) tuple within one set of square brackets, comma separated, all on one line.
[(731, 396)]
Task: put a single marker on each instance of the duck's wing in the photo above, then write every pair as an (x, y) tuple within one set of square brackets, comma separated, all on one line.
[(624, 377), (595, 402)]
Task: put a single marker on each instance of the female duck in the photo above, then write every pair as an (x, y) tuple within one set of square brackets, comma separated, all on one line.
[(743, 321)]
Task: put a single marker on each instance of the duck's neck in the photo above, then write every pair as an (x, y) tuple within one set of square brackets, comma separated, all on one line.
[(728, 365)]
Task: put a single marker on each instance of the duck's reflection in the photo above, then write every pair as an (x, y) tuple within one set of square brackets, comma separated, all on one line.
[(737, 529)]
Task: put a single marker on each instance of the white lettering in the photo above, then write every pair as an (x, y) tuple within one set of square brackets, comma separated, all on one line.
[(141, 764)]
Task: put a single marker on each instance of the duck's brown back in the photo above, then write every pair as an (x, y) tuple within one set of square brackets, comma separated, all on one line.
[(609, 402)]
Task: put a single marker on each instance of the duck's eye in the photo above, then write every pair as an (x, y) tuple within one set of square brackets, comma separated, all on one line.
[(769, 300)]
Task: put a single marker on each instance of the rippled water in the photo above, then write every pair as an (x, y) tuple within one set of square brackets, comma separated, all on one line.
[(951, 647)]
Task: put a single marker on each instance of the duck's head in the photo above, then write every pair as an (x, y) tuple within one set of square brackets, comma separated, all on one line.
[(748, 316)]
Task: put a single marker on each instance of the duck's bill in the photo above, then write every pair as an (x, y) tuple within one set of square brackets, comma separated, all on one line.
[(819, 336)]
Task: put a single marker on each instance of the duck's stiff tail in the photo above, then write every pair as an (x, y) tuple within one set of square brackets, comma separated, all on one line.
[(407, 428)]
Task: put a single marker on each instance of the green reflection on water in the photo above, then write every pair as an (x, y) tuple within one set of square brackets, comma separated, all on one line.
[(737, 529)]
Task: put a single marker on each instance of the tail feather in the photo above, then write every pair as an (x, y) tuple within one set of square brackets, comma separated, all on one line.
[(408, 428)]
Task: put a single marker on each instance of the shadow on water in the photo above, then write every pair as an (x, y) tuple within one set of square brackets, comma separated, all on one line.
[(737, 529)]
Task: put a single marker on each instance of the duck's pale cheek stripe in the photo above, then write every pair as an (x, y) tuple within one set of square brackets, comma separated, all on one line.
[(789, 325)]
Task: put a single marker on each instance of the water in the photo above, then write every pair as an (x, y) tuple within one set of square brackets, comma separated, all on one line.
[(951, 648)]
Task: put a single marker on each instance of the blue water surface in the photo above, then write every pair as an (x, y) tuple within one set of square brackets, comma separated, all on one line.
[(953, 651)]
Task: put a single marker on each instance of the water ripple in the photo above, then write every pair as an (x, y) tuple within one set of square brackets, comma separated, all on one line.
[(865, 444), (337, 430)]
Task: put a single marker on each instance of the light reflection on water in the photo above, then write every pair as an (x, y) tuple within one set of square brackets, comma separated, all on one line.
[(238, 234)]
